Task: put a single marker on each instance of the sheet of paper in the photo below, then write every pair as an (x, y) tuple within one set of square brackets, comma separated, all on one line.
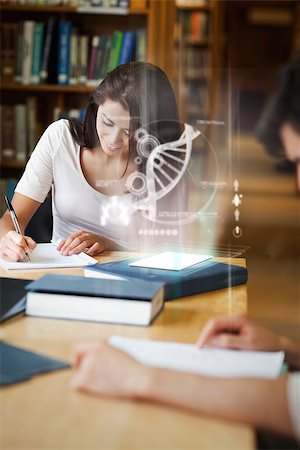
[(206, 361), (170, 260), (46, 256)]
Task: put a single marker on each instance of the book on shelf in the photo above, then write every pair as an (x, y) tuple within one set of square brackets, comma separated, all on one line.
[(8, 39), (141, 45), (7, 132), (202, 277), (33, 131), (128, 47), (78, 298), (63, 56), (38, 40), (49, 51), (83, 46), (21, 140), (92, 60), (97, 75), (115, 50), (27, 51), (74, 47)]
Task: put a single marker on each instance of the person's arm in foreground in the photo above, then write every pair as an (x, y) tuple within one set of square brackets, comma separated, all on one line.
[(103, 370), (13, 246), (239, 332)]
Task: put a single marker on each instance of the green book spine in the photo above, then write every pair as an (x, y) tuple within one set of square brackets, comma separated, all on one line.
[(116, 50), (38, 38)]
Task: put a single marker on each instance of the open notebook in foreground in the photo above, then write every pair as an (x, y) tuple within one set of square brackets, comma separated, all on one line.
[(206, 361)]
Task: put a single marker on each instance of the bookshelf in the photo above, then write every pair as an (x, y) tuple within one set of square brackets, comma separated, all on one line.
[(152, 16), (198, 40)]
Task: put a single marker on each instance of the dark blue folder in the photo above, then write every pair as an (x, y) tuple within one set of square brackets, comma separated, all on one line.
[(202, 277), (17, 364)]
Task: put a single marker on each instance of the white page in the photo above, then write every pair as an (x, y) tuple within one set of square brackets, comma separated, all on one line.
[(206, 361), (170, 260), (46, 256)]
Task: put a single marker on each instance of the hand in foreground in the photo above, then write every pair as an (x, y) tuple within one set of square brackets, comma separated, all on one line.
[(102, 369), (80, 241), (13, 246), (239, 332)]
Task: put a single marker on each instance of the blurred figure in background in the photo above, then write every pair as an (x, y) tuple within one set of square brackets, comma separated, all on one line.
[(279, 126)]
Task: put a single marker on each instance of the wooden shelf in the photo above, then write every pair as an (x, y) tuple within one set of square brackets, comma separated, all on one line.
[(73, 9), (194, 8), (46, 88), (12, 164)]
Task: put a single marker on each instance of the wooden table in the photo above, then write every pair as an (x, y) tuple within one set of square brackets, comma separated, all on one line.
[(44, 413)]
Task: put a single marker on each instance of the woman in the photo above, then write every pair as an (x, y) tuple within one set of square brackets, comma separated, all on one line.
[(87, 165)]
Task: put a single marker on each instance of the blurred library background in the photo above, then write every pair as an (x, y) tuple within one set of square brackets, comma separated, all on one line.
[(224, 59)]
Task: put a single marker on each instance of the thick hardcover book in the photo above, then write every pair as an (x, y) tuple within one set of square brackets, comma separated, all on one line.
[(18, 364), (78, 298), (12, 297), (202, 277)]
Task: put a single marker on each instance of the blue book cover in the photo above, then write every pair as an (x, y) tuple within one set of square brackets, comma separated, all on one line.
[(143, 290), (202, 277), (128, 47), (63, 63)]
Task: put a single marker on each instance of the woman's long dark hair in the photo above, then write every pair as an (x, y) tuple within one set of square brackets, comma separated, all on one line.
[(145, 92)]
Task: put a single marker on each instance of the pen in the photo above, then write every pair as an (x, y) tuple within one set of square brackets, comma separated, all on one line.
[(14, 219)]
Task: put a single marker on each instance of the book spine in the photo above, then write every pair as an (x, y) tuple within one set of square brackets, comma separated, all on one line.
[(19, 58), (127, 50), (99, 59), (7, 132), (46, 52), (37, 52), (63, 64), (105, 61), (28, 31), (141, 45), (8, 50), (115, 51), (93, 57), (83, 59), (20, 132), (31, 111), (73, 79)]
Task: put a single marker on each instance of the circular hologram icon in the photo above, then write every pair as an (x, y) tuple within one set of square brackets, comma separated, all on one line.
[(146, 144), (237, 231), (137, 183)]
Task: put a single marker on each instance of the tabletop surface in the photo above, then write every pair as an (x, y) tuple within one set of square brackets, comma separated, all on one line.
[(44, 413)]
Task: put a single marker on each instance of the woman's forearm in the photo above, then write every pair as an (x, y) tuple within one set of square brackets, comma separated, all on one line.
[(6, 224), (259, 403)]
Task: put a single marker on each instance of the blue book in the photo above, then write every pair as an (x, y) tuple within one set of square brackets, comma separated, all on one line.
[(202, 277), (128, 47), (78, 298), (63, 62)]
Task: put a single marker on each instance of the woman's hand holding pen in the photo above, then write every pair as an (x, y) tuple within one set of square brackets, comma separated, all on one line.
[(82, 241), (14, 246)]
